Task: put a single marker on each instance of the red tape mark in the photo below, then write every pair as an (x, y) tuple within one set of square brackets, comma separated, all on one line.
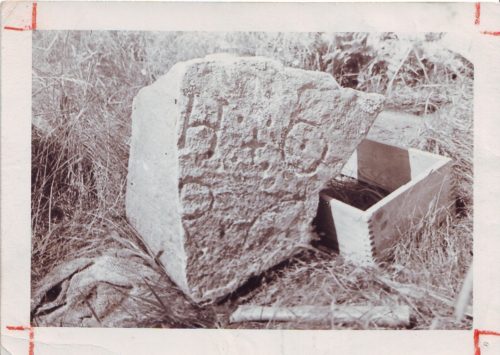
[(477, 21), (15, 28), (33, 16), (31, 349), (31, 27), (477, 334), (491, 33), (477, 17)]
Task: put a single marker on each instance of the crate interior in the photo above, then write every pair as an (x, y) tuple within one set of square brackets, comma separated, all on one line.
[(388, 167), (348, 190), (354, 192), (373, 172)]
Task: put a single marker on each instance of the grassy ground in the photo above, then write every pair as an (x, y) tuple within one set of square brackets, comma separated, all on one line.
[(83, 86)]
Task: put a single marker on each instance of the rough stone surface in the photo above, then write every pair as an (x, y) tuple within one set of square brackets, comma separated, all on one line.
[(227, 157)]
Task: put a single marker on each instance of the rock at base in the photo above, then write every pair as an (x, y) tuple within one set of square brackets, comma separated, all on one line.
[(114, 289), (228, 155)]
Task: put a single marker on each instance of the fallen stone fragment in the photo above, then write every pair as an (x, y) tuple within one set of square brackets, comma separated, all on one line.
[(385, 316), (400, 128), (113, 290), (228, 155)]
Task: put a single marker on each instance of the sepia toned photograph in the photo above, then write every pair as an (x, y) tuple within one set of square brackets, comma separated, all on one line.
[(251, 180)]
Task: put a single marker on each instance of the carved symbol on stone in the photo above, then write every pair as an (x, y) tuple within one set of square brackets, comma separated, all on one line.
[(253, 143), (201, 140), (304, 148), (196, 199)]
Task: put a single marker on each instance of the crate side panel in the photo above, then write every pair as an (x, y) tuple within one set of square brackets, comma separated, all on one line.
[(420, 161), (383, 165), (324, 223), (352, 233), (430, 194)]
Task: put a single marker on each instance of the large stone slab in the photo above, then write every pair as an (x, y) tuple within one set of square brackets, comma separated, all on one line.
[(228, 155)]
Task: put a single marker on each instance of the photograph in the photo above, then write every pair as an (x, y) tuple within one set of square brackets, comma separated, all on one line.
[(251, 180)]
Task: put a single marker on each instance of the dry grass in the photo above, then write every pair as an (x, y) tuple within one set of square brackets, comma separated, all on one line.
[(81, 110), (354, 192), (425, 272), (83, 86)]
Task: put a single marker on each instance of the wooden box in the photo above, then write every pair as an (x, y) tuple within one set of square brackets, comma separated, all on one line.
[(418, 185)]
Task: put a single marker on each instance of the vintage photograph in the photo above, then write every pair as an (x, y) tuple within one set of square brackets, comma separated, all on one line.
[(251, 180)]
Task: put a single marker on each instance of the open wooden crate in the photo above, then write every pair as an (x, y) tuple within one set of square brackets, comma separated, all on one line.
[(418, 184)]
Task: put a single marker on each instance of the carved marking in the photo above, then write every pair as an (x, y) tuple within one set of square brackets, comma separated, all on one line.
[(316, 164), (185, 124), (253, 144), (220, 114), (293, 118), (198, 201), (297, 163)]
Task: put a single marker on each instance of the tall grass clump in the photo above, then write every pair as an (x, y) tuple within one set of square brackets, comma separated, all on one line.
[(83, 86)]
